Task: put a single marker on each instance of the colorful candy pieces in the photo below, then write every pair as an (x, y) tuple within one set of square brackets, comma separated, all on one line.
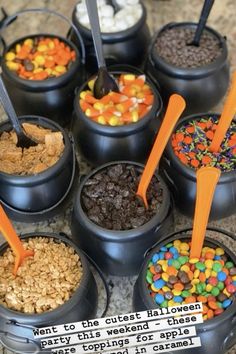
[(173, 278), (131, 104), (190, 144), (40, 58)]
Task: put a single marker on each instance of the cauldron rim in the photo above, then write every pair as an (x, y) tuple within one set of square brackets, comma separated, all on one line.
[(187, 171), (25, 318), (126, 129), (188, 73), (121, 236), (111, 37), (50, 83), (210, 323)]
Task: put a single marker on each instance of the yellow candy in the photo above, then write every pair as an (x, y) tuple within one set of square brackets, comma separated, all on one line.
[(10, 56), (42, 48), (213, 273), (194, 260), (165, 276), (12, 66), (55, 73), (154, 289), (177, 243), (161, 262), (113, 121), (135, 116), (101, 120), (209, 263), (48, 70), (226, 293), (196, 273), (38, 70), (36, 65), (99, 106), (207, 273), (84, 93), (29, 42), (164, 266), (219, 251), (209, 287), (39, 59), (129, 77), (171, 303), (184, 253), (184, 246), (91, 84), (193, 289), (176, 292), (51, 45), (195, 281), (165, 289), (234, 277), (60, 69), (18, 48), (185, 268)]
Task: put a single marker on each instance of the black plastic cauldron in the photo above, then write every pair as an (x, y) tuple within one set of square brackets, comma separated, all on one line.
[(201, 87), (217, 334), (129, 46), (119, 252), (100, 144), (37, 197), (16, 327), (52, 97), (181, 180)]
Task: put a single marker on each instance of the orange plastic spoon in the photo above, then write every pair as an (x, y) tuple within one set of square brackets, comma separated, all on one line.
[(14, 241), (207, 178), (226, 117), (175, 108)]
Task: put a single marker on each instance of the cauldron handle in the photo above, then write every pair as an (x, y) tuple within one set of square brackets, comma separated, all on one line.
[(230, 340), (94, 264), (5, 337), (13, 17)]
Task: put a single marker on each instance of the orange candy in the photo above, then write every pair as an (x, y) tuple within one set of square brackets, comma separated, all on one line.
[(190, 299), (172, 271)]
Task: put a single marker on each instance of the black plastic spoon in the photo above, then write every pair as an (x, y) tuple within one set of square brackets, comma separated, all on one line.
[(202, 21), (104, 82), (23, 140)]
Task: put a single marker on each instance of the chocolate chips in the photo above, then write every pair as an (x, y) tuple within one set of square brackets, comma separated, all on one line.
[(109, 198), (172, 45)]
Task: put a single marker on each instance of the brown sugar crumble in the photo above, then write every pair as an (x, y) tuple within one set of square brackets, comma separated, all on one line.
[(43, 282), (17, 161)]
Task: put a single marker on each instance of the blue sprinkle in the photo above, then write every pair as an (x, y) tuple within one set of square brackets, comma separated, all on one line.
[(159, 298), (226, 303), (155, 258), (178, 298)]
